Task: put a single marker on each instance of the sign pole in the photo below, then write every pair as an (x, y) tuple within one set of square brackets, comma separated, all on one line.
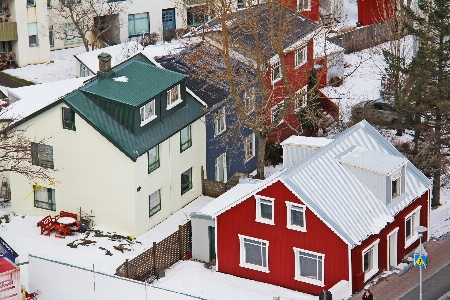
[(420, 237)]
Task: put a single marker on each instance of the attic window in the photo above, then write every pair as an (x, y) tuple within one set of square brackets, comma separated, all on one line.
[(173, 96), (276, 71), (148, 112), (304, 5), (395, 185), (264, 210)]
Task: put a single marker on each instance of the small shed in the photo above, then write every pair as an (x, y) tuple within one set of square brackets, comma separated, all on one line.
[(7, 252), (9, 280)]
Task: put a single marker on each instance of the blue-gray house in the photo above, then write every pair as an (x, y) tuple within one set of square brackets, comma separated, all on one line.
[(7, 252), (230, 148)]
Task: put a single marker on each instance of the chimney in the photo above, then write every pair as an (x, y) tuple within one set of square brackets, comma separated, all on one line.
[(104, 65)]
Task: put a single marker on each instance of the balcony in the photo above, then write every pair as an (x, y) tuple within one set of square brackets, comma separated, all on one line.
[(8, 31)]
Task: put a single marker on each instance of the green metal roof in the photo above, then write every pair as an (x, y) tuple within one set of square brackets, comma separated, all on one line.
[(133, 83)]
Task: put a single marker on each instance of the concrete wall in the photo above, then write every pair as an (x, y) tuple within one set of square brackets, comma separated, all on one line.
[(57, 280), (200, 238)]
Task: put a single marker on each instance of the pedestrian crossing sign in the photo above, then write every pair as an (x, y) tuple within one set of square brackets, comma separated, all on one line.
[(420, 261)]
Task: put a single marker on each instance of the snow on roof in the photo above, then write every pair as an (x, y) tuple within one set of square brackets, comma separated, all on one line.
[(343, 203), (306, 141), (322, 47), (375, 161), (35, 97), (122, 51)]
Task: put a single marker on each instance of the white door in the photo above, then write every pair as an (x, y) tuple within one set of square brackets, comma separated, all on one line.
[(392, 249), (221, 168)]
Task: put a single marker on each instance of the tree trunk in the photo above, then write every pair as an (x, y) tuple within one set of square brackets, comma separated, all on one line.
[(436, 189), (260, 154)]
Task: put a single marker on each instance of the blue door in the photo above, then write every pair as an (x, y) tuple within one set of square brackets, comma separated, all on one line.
[(168, 21)]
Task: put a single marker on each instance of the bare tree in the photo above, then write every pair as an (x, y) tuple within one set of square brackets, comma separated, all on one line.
[(91, 21)]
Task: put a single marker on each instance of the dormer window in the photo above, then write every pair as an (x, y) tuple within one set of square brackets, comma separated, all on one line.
[(148, 112), (395, 186), (173, 96)]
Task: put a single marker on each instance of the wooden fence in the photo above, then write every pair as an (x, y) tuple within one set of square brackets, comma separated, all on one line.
[(161, 256), (214, 188), (369, 36)]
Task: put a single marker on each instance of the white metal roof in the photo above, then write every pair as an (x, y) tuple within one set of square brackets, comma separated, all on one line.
[(332, 192), (307, 141), (375, 161)]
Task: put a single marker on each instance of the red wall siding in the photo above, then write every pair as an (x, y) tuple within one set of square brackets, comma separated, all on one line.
[(313, 14), (399, 222), (281, 260), (373, 11)]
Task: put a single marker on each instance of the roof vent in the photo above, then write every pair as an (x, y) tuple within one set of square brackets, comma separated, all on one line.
[(104, 65)]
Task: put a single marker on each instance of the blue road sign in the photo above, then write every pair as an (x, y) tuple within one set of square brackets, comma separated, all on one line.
[(420, 260)]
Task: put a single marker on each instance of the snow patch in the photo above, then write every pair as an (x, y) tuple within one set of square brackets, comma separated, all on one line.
[(121, 79)]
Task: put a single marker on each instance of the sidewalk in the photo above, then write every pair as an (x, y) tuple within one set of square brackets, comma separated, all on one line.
[(393, 286)]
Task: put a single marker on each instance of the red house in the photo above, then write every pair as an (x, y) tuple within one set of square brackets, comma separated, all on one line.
[(9, 280), (342, 210), (374, 11)]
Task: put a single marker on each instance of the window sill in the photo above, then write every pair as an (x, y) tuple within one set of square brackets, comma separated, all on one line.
[(296, 228), (254, 267), (300, 65), (34, 45), (149, 120), (173, 104), (411, 240), (248, 159), (276, 80), (265, 221), (370, 274), (309, 280), (219, 133)]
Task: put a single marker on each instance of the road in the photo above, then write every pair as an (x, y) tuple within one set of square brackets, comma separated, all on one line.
[(432, 288)]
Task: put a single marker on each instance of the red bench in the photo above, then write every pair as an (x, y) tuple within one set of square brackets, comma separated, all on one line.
[(68, 214), (47, 225)]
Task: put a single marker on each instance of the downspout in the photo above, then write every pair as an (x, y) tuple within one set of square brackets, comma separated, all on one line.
[(215, 241), (350, 271), (428, 212)]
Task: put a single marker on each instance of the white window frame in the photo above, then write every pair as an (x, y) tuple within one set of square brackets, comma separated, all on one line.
[(297, 267), (275, 110), (249, 147), (374, 248), (298, 207), (249, 101), (173, 102), (303, 52), (301, 101), (304, 5), (242, 257), (414, 216), (274, 66), (220, 122), (221, 167), (268, 201), (150, 117), (396, 177)]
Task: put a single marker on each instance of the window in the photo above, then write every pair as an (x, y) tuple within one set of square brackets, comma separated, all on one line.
[(154, 203), (44, 198), (138, 24), (370, 260), (70, 2), (304, 5), (32, 34), (249, 100), (411, 221), (296, 216), (147, 112), (241, 3), (221, 167), (309, 266), (153, 159), (185, 138), (5, 47), (71, 35), (254, 253), (31, 2), (49, 4), (395, 185), (300, 57), (276, 110), (220, 124), (84, 71), (68, 118), (196, 16), (2, 10), (249, 147), (50, 36), (276, 71), (186, 181), (173, 95), (264, 210), (302, 98), (42, 155)]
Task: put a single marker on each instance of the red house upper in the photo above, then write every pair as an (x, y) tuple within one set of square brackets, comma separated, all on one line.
[(343, 212)]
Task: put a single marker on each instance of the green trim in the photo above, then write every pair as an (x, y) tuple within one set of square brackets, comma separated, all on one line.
[(188, 185), (188, 143), (158, 207), (48, 205), (155, 164)]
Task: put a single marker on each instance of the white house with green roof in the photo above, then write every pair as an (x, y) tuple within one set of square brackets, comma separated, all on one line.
[(128, 145)]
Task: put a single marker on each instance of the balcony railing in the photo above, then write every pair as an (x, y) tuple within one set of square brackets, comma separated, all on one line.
[(8, 31)]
